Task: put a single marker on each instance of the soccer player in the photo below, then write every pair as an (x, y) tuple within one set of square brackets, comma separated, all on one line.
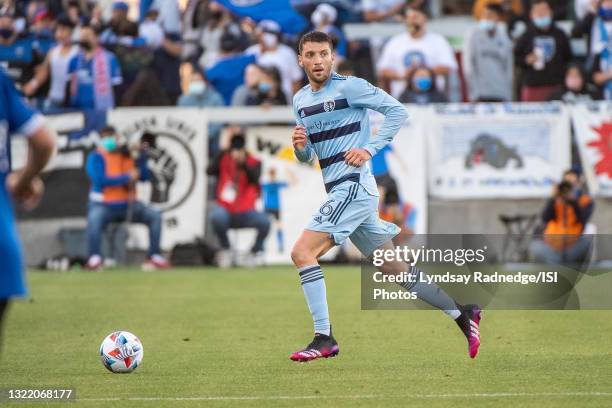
[(24, 186), (332, 122)]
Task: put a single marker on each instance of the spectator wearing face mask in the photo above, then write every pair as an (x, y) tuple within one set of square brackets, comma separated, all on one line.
[(267, 91), (542, 54), (405, 52), (248, 90), (18, 53), (487, 59), (200, 94), (269, 51), (323, 19), (576, 88), (596, 25), (421, 88), (94, 73)]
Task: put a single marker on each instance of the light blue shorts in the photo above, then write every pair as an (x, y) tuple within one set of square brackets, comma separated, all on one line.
[(351, 212)]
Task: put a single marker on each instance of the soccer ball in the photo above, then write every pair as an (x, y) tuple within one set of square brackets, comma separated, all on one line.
[(121, 352)]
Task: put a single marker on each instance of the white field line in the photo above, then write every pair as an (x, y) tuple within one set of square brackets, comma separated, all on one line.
[(357, 397)]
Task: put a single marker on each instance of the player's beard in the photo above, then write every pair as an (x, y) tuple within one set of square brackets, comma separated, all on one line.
[(322, 80)]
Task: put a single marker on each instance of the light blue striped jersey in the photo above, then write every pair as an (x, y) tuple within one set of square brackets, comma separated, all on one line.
[(336, 120)]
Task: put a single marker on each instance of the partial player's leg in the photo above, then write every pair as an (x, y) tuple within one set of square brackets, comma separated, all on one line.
[(347, 206), (305, 254), (467, 317)]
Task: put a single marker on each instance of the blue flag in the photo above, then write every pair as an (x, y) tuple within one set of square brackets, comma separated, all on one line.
[(291, 22)]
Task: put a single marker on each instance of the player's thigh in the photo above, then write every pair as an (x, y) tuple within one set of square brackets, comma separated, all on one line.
[(373, 234), (310, 245), (346, 207)]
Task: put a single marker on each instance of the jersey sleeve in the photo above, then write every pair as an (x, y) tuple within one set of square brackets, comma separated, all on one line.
[(306, 155), (361, 94), (22, 119)]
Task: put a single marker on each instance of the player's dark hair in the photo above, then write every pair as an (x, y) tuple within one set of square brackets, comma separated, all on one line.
[(64, 21), (315, 36), (108, 129)]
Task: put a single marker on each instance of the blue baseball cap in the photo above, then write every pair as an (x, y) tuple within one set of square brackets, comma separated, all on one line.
[(121, 5)]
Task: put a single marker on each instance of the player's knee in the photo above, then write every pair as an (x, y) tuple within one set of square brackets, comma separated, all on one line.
[(302, 256)]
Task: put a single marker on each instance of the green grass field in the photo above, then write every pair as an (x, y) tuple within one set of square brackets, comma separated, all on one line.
[(222, 338)]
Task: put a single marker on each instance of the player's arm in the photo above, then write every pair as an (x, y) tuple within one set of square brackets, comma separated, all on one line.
[(301, 145), (40, 77), (360, 93), (24, 185)]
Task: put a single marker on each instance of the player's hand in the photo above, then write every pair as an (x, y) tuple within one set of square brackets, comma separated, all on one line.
[(356, 157), (26, 194), (299, 138)]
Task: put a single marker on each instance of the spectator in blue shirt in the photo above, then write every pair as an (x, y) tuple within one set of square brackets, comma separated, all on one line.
[(228, 73), (94, 72)]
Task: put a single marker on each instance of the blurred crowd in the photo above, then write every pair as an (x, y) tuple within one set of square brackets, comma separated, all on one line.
[(100, 54)]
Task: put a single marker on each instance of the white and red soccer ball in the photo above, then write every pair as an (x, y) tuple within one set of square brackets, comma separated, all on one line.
[(121, 352)]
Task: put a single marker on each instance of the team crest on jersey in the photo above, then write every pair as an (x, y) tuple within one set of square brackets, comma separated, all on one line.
[(302, 113), (329, 106)]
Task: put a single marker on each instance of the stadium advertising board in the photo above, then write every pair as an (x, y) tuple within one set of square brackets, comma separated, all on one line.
[(493, 151), (593, 131)]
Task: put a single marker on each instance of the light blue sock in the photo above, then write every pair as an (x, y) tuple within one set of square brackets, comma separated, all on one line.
[(313, 284)]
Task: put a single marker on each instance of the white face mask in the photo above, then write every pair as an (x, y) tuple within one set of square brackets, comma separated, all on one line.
[(197, 87), (270, 40)]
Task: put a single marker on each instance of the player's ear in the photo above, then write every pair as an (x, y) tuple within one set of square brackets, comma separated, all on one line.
[(300, 63)]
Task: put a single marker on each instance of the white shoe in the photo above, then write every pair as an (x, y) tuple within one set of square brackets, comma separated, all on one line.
[(253, 260), (224, 258), (94, 263)]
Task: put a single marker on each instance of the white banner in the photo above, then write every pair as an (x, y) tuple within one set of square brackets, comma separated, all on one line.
[(177, 166), (493, 151), (593, 131)]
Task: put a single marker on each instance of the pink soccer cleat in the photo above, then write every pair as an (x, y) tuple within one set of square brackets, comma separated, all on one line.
[(469, 323), (322, 346)]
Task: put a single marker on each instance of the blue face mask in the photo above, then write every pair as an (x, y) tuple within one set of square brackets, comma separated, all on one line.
[(423, 83), (264, 87), (543, 22), (109, 143), (605, 13), (486, 25)]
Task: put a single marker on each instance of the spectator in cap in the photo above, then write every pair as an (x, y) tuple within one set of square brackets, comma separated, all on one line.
[(238, 173), (151, 30), (55, 66), (323, 19), (269, 51), (42, 27), (228, 73), (405, 52)]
